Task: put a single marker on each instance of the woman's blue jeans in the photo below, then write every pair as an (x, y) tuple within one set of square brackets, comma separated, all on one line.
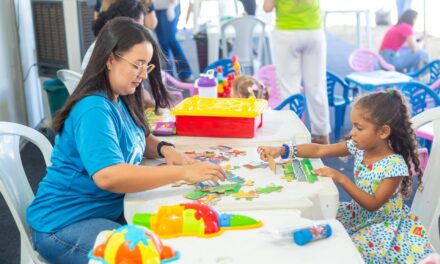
[(405, 60), (72, 243), (166, 33)]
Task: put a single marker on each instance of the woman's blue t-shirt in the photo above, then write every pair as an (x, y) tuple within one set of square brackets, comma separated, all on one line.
[(98, 133)]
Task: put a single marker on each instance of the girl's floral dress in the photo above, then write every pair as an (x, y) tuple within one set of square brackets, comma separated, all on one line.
[(391, 234)]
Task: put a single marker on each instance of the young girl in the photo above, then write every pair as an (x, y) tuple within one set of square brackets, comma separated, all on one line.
[(385, 151), (245, 86)]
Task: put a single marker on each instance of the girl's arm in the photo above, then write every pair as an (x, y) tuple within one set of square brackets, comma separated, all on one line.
[(268, 5), (307, 151), (126, 178), (370, 202)]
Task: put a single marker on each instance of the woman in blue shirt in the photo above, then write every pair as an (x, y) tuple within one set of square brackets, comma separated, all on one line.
[(102, 137)]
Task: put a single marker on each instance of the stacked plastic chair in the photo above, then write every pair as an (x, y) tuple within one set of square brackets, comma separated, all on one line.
[(429, 75), (364, 60), (226, 64), (69, 78), (338, 100), (267, 75), (296, 103)]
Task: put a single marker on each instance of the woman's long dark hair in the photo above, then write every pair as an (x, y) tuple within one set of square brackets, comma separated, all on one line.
[(118, 35), (121, 8), (408, 17), (390, 108)]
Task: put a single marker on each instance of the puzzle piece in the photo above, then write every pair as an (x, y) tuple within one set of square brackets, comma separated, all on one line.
[(231, 167), (221, 148), (236, 189), (235, 178), (197, 194), (256, 164), (245, 195), (248, 183), (210, 199), (180, 183), (269, 189), (306, 164), (298, 170), (272, 164), (223, 188), (288, 172), (236, 152)]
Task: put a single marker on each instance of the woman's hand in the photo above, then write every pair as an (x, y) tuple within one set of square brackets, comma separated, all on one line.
[(203, 171), (265, 152), (332, 173), (173, 157)]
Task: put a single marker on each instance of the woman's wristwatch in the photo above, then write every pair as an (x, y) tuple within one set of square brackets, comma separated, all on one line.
[(160, 145)]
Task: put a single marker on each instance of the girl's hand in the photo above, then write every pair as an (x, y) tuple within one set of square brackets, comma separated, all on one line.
[(173, 157), (332, 173), (203, 171), (265, 152)]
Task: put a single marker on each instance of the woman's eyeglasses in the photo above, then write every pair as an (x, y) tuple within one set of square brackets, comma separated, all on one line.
[(139, 67)]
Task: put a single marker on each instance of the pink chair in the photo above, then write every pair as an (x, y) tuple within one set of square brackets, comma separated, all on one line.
[(267, 75), (170, 80), (364, 60), (423, 157)]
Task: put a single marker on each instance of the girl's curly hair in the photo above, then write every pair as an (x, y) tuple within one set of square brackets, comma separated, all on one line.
[(390, 108)]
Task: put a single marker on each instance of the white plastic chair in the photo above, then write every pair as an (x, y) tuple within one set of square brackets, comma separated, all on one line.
[(426, 204), (14, 185), (69, 78), (244, 28)]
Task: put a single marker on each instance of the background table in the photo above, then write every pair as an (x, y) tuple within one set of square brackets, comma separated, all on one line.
[(257, 246), (278, 127), (358, 12), (317, 200), (369, 81)]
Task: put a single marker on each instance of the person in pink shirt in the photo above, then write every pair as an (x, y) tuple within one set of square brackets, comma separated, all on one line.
[(399, 46)]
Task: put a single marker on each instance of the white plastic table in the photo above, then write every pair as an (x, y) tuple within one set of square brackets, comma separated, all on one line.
[(278, 127), (358, 12), (317, 200), (258, 246), (369, 81)]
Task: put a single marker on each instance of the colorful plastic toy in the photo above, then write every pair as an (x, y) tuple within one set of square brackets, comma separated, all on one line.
[(309, 234), (236, 65), (132, 244), (192, 219)]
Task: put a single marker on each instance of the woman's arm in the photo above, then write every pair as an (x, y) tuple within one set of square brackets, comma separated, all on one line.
[(413, 44), (268, 5), (150, 20), (151, 149), (126, 178), (370, 202), (171, 155)]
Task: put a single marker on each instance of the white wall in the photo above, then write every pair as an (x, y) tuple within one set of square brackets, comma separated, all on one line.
[(28, 55), (12, 102), (20, 100)]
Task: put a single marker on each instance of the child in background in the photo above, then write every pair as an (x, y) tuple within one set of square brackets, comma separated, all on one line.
[(384, 147), (245, 86)]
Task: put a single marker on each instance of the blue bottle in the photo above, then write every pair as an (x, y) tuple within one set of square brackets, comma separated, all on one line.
[(308, 234)]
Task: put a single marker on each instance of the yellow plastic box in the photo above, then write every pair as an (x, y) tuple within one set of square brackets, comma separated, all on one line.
[(219, 117)]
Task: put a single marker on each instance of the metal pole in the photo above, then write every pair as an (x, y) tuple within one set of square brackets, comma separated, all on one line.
[(424, 17)]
